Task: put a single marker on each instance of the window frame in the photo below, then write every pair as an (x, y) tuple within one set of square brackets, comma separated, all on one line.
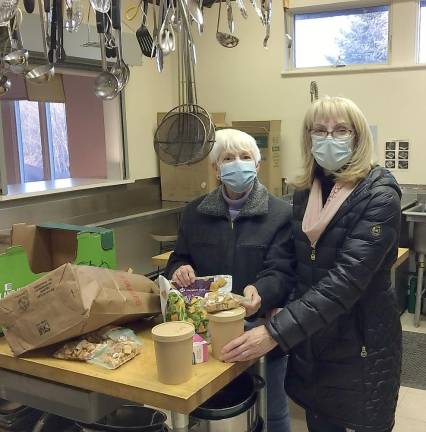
[(291, 52), (419, 28)]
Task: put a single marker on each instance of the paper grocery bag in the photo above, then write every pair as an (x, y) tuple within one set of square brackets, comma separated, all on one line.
[(71, 301)]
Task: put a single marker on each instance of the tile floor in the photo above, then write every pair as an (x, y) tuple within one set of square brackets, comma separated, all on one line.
[(410, 416), (407, 322)]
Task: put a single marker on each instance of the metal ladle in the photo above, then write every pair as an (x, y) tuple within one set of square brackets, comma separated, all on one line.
[(120, 68), (106, 84), (225, 39), (17, 60), (44, 73)]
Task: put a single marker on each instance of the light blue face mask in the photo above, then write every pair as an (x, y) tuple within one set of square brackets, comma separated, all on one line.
[(238, 175), (332, 153)]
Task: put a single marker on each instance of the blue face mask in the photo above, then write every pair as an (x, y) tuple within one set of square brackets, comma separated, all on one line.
[(332, 153), (238, 175)]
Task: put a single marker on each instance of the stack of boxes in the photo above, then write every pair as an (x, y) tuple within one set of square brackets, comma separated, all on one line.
[(187, 182)]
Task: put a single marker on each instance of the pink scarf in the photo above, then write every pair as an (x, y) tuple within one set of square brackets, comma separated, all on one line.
[(317, 217)]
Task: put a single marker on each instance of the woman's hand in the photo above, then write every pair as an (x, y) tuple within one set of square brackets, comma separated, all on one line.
[(254, 300), (184, 276), (251, 345)]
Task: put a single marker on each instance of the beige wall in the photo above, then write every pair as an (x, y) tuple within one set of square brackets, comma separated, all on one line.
[(147, 93), (246, 82)]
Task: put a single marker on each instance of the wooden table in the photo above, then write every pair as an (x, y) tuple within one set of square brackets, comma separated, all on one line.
[(135, 381), (161, 260), (403, 255)]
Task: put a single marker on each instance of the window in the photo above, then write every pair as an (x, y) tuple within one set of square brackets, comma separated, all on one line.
[(422, 33), (59, 131), (41, 133), (340, 38)]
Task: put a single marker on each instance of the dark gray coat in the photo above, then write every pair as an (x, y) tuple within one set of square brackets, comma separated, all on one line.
[(255, 249), (344, 331)]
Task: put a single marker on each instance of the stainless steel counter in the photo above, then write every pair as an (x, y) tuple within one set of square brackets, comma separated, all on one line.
[(163, 208)]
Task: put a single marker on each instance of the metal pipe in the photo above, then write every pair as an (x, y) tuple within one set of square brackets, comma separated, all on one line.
[(419, 294)]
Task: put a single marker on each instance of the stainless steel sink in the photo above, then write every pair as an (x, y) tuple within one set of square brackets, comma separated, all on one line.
[(417, 215)]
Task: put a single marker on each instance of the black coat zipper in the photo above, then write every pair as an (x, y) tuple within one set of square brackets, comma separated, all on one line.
[(359, 318)]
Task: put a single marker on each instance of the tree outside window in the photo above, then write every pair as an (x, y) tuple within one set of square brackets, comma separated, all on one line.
[(340, 38)]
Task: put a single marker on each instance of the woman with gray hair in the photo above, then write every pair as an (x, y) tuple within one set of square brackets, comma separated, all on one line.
[(242, 230)]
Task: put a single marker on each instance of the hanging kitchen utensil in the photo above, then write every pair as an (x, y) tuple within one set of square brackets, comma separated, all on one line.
[(102, 6), (90, 43), (17, 59), (44, 73), (143, 35), (183, 9), (231, 25), (7, 10), (5, 83), (166, 37), (182, 137), (110, 43), (29, 6), (156, 45), (74, 15), (257, 10), (120, 68), (196, 13), (225, 39), (267, 15), (242, 8), (61, 56), (53, 31), (106, 84)]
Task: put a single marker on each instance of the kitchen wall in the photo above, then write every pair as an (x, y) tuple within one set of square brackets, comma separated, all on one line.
[(246, 82), (147, 93)]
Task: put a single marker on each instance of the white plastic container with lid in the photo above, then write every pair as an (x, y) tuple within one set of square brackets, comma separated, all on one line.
[(173, 351), (225, 326)]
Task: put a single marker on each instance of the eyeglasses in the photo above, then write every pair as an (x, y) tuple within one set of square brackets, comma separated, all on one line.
[(340, 132)]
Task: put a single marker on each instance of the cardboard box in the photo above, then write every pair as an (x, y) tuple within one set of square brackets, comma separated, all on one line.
[(38, 249), (200, 350), (268, 138), (187, 182)]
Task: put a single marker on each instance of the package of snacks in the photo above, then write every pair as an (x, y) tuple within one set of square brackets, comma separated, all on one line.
[(175, 308), (197, 314), (114, 354), (216, 301), (109, 347), (82, 350)]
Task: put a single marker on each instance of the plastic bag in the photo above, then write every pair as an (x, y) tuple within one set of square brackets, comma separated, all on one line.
[(82, 350), (217, 301), (114, 354), (109, 347)]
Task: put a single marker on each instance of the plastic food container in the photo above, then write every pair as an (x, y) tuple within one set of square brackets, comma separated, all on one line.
[(173, 351), (225, 326)]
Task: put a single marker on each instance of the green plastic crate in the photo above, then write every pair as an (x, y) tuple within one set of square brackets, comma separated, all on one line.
[(95, 247)]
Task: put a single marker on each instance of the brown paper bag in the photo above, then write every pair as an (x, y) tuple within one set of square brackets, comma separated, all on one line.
[(71, 301)]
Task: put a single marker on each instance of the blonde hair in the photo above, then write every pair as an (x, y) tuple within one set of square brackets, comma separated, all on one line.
[(337, 108), (234, 140)]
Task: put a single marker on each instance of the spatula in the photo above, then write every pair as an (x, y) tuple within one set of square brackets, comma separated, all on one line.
[(143, 36)]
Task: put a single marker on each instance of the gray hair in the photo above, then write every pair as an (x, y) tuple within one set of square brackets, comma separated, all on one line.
[(234, 140)]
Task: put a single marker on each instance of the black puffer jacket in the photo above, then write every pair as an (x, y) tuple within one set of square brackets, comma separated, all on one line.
[(344, 331), (256, 248)]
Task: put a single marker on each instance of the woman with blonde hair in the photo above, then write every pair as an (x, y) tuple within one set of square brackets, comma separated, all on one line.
[(342, 331)]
